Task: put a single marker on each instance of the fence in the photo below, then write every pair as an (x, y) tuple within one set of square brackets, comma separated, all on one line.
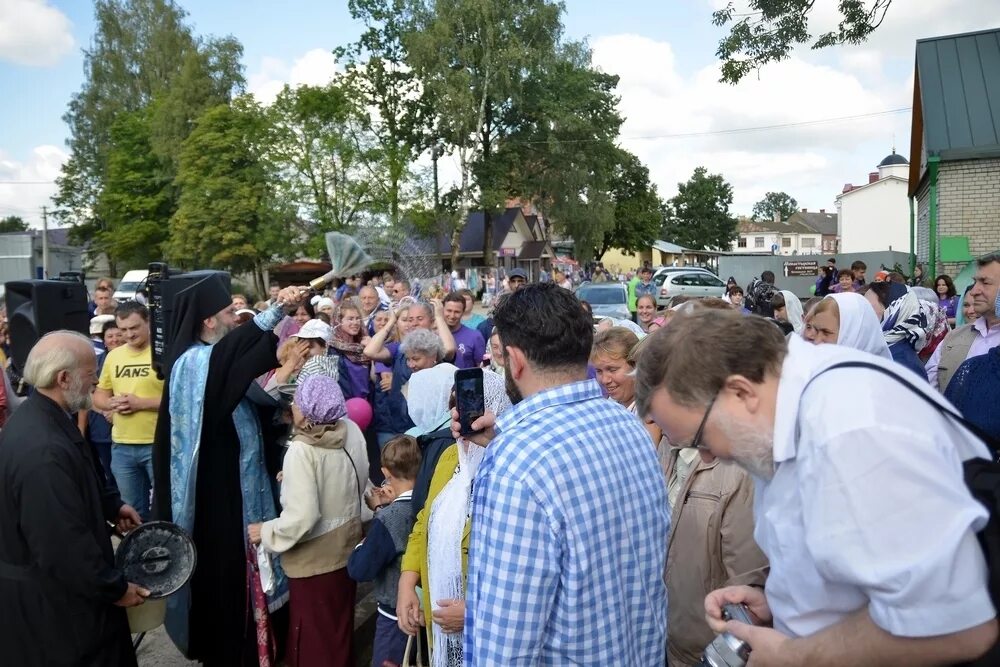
[(798, 273)]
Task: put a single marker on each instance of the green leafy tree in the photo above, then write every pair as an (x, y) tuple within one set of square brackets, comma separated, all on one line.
[(228, 217), (136, 200), (13, 223), (473, 58), (324, 158), (772, 28), (698, 215), (556, 146), (638, 210), (773, 204), (143, 57), (394, 108)]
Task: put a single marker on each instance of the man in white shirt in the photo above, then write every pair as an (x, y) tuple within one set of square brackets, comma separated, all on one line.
[(860, 506), (970, 340)]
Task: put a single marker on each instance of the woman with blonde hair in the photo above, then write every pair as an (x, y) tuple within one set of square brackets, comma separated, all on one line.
[(613, 362), (646, 312)]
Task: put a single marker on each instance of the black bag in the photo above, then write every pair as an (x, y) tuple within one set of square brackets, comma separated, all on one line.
[(758, 298), (982, 476)]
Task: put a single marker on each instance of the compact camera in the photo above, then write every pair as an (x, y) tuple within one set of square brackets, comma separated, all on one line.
[(726, 650)]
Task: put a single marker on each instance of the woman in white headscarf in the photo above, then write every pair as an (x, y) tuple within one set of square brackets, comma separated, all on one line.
[(436, 555), (846, 319), (427, 399), (788, 308)]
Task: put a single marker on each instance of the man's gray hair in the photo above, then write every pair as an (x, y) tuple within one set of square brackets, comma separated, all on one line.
[(423, 342), (45, 362)]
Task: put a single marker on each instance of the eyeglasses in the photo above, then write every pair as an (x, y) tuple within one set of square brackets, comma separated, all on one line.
[(696, 442)]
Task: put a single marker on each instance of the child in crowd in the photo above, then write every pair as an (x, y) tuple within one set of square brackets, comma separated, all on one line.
[(378, 556)]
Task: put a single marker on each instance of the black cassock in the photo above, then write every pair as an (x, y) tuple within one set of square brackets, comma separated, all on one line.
[(58, 581), (221, 624)]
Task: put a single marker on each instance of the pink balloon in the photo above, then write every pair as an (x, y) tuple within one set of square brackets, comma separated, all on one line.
[(359, 411)]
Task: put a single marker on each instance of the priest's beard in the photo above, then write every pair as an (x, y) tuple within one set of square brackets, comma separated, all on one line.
[(512, 391), (221, 329), (752, 450), (78, 394)]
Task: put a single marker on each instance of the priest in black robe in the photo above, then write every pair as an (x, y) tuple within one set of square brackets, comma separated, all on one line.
[(61, 596), (210, 475)]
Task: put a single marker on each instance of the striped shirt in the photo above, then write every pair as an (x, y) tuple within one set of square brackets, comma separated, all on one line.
[(569, 538)]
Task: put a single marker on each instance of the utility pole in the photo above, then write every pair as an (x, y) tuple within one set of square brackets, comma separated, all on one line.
[(436, 152), (45, 243)]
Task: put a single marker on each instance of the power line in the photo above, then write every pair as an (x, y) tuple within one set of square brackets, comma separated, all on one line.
[(777, 126), (676, 135), (742, 130)]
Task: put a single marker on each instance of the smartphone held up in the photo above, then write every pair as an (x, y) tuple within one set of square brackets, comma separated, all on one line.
[(470, 400)]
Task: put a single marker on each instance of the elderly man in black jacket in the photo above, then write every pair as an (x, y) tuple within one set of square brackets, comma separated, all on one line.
[(63, 599)]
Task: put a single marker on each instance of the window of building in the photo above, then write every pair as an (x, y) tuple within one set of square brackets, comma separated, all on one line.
[(786, 242), (742, 242), (808, 242), (758, 242)]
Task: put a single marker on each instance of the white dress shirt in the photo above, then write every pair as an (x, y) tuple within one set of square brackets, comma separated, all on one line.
[(868, 507), (985, 341)]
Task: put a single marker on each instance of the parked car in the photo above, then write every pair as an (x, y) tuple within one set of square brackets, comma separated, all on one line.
[(130, 285), (693, 282), (606, 299), (674, 269)]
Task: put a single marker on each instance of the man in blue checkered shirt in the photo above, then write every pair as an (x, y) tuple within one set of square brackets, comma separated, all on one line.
[(569, 510)]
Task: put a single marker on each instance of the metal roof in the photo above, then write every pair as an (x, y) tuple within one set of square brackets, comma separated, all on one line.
[(893, 158), (958, 78)]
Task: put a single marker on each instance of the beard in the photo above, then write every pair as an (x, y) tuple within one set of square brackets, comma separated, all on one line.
[(221, 329), (513, 392), (78, 395), (752, 450)]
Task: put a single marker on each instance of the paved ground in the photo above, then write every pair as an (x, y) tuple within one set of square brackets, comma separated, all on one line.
[(156, 649)]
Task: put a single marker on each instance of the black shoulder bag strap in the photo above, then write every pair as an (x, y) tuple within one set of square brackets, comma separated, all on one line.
[(982, 477)]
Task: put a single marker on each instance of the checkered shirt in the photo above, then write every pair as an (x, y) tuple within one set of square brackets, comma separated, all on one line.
[(569, 538)]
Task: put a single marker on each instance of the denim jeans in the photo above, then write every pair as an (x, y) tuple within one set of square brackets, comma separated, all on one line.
[(132, 466)]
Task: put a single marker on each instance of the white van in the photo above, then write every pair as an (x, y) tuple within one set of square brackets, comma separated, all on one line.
[(130, 284)]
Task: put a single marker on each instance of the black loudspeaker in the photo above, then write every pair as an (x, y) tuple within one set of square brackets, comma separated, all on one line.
[(163, 285), (37, 307)]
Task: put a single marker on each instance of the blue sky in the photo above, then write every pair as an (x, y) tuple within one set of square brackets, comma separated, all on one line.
[(663, 50)]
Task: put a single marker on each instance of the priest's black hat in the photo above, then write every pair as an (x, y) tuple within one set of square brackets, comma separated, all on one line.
[(191, 306)]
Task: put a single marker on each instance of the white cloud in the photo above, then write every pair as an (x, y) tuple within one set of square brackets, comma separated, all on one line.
[(316, 67), (33, 33), (810, 161), (27, 186)]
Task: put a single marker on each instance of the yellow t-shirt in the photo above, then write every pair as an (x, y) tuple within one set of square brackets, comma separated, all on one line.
[(127, 371)]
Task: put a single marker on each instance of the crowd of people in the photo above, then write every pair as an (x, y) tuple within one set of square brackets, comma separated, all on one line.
[(628, 480)]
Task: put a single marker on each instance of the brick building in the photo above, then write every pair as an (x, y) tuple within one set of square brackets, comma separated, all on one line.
[(955, 148)]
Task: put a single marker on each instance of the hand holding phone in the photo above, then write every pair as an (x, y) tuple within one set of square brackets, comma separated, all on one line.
[(470, 400)]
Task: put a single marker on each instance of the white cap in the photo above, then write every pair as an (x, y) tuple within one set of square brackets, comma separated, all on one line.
[(325, 302), (315, 300), (316, 329), (97, 323)]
